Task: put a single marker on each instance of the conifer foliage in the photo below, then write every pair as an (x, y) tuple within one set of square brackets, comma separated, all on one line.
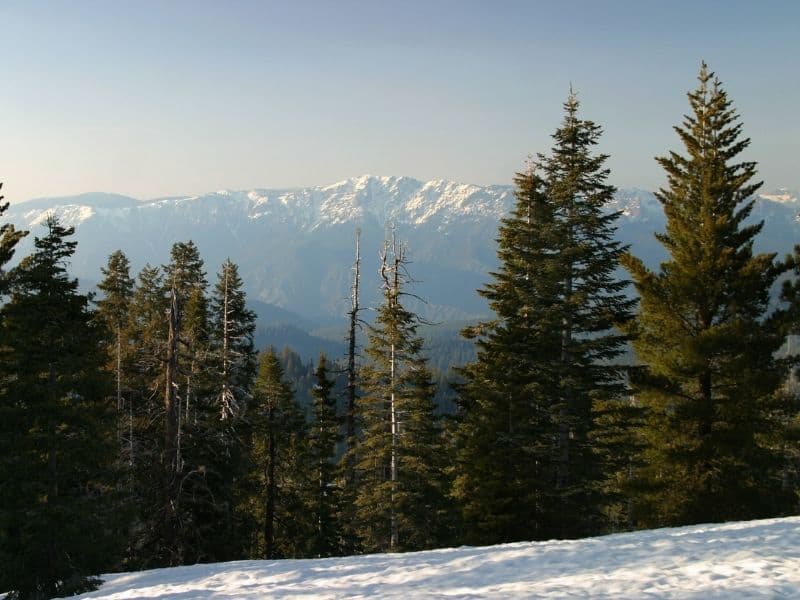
[(704, 333), (155, 406), (530, 463), (191, 365), (9, 238), (113, 311), (57, 444), (401, 492), (274, 499), (323, 436), (233, 325)]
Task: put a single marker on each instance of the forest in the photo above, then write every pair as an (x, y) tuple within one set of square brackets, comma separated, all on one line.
[(141, 427)]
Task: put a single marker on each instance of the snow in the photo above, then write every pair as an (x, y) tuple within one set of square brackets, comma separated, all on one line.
[(386, 199), (783, 196), (756, 559), (68, 214)]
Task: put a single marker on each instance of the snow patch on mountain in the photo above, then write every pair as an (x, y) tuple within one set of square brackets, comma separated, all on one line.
[(294, 245), (386, 200), (782, 195), (70, 215)]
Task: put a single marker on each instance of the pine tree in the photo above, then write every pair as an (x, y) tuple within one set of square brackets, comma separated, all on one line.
[(789, 408), (322, 439), (186, 335), (545, 387), (9, 238), (147, 336), (185, 282), (57, 445), (144, 364), (277, 480), (505, 462), (113, 311), (704, 333), (214, 441), (594, 306), (233, 325), (400, 501)]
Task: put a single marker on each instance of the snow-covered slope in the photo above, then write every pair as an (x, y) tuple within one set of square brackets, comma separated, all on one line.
[(757, 559), (390, 200), (295, 247)]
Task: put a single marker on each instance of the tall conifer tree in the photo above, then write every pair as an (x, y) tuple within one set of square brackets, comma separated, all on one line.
[(323, 436), (144, 365), (400, 499), (531, 463), (216, 433), (57, 445), (233, 326), (113, 311), (278, 476), (704, 335), (505, 462)]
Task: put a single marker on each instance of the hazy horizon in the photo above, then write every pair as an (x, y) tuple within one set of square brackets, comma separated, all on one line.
[(159, 99)]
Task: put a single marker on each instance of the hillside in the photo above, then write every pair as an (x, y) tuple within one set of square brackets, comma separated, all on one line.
[(758, 559), (295, 247)]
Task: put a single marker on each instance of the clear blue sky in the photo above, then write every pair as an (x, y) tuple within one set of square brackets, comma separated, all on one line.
[(152, 98)]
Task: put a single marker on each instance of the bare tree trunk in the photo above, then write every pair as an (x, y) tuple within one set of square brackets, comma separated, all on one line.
[(271, 490), (119, 386), (130, 429), (351, 350), (226, 409), (172, 457), (393, 286)]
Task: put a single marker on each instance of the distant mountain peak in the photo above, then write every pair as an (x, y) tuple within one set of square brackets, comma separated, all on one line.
[(295, 245)]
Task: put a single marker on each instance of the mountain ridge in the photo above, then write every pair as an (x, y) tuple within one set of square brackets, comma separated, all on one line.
[(295, 246)]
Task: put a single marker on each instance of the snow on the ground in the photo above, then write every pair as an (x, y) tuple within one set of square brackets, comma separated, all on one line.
[(756, 559)]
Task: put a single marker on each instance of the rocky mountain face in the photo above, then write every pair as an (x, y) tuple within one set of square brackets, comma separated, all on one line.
[(295, 247)]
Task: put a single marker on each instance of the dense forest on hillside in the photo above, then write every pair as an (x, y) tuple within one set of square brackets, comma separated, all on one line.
[(157, 416)]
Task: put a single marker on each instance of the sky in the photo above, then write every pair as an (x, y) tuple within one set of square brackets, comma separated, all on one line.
[(176, 97)]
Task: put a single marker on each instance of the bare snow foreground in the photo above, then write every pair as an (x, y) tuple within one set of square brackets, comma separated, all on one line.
[(756, 559)]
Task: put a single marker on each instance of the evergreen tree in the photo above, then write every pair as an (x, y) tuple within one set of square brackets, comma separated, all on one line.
[(186, 327), (322, 439), (400, 501), (277, 480), (705, 336), (592, 387), (233, 326), (144, 365), (214, 442), (147, 336), (185, 281), (9, 238), (789, 409), (545, 396), (113, 311), (57, 445), (505, 453)]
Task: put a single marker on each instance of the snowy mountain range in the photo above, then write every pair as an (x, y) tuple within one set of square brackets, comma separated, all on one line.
[(295, 247)]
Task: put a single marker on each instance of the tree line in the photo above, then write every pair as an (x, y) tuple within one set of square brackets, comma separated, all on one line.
[(140, 427)]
